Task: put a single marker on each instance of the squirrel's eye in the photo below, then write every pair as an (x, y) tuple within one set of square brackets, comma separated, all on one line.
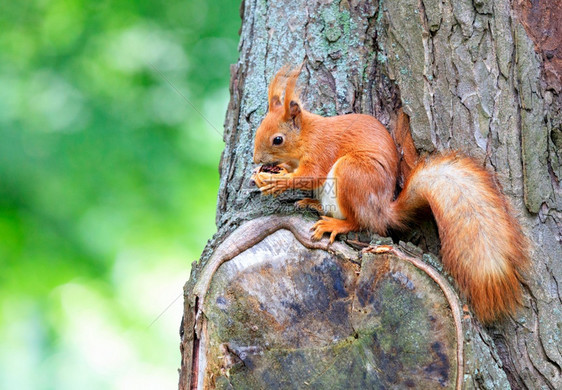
[(277, 140)]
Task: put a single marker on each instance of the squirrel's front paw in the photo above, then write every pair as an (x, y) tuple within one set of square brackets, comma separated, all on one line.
[(274, 184), (264, 173)]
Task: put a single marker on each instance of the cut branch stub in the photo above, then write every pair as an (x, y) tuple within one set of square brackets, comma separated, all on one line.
[(280, 315)]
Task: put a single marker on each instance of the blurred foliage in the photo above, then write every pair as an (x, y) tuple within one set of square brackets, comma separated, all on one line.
[(108, 182)]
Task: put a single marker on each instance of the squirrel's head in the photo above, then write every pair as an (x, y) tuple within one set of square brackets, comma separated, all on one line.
[(277, 139)]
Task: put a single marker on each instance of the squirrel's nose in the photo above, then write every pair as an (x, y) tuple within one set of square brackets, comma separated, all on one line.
[(257, 158)]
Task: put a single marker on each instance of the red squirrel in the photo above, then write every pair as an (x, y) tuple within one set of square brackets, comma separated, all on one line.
[(353, 164)]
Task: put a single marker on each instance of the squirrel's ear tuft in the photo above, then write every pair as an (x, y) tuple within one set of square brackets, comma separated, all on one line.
[(285, 80), (276, 88), (291, 95)]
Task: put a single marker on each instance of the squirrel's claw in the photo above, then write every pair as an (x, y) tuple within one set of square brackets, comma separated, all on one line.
[(271, 189), (273, 184), (267, 189), (319, 228), (330, 225)]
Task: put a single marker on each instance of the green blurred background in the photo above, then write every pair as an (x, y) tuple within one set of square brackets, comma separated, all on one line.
[(108, 183)]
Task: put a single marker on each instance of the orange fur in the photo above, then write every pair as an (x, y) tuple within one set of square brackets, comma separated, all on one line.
[(482, 244), (406, 148), (352, 161), (276, 87)]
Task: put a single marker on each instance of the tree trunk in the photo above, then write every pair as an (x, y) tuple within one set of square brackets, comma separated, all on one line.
[(267, 308)]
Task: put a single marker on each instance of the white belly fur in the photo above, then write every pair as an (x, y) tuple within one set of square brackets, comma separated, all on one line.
[(327, 195)]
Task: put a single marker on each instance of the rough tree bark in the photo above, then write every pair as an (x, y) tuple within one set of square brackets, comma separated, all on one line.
[(480, 76)]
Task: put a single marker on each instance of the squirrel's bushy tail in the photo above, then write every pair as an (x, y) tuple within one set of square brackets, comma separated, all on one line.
[(482, 244)]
